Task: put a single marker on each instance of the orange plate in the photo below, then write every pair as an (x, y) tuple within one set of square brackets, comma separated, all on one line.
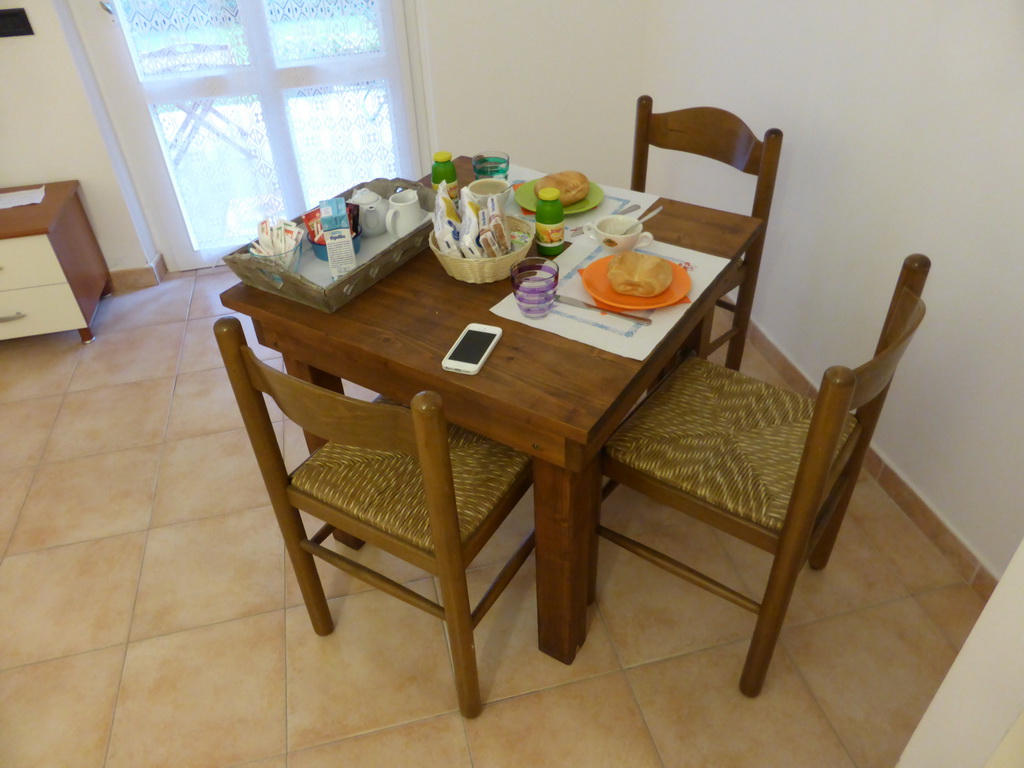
[(595, 280)]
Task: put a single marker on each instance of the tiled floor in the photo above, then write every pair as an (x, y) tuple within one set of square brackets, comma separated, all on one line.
[(148, 616)]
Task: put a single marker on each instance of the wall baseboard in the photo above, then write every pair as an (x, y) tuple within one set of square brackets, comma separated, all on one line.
[(127, 280), (919, 513)]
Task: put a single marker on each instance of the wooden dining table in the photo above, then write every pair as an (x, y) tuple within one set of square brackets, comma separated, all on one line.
[(552, 397)]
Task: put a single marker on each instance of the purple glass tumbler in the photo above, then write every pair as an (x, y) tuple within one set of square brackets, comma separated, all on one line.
[(534, 283)]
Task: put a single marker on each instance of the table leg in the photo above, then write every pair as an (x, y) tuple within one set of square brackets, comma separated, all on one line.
[(565, 513)]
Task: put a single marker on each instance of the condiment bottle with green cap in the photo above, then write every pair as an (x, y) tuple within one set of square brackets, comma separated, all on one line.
[(443, 169), (550, 222)]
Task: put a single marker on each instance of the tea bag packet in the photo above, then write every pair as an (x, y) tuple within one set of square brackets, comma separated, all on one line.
[(277, 240), (469, 231), (314, 226), (498, 226), (341, 253), (446, 223)]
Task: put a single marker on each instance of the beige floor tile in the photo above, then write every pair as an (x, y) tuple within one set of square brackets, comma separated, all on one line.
[(200, 352), (88, 498), (436, 743), (918, 562), (211, 696), (954, 610), (651, 614), (131, 355), (164, 303), (509, 536), (294, 448), (386, 663), (857, 575), (204, 403), (209, 570), (27, 425), (206, 295), (56, 602), (699, 718), (110, 419), (38, 366), (594, 723), (14, 485), (207, 475), (270, 762), (58, 713), (336, 582), (873, 672), (508, 659)]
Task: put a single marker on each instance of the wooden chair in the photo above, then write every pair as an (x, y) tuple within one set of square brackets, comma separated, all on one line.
[(397, 478), (766, 465), (721, 136)]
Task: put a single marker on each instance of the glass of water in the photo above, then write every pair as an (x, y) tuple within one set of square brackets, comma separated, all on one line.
[(490, 165)]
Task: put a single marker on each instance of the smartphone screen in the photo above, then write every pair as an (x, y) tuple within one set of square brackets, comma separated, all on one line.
[(472, 347)]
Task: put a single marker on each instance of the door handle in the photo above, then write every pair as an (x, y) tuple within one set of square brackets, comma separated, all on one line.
[(12, 318)]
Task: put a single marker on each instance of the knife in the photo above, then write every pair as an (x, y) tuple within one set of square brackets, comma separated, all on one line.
[(584, 305)]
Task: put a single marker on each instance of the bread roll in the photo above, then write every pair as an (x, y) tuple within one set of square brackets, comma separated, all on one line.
[(573, 185), (639, 274)]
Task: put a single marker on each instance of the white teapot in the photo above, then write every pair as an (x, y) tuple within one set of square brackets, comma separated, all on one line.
[(373, 211)]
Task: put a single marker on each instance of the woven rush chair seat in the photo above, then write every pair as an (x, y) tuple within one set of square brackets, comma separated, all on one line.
[(723, 437), (385, 488), (761, 464)]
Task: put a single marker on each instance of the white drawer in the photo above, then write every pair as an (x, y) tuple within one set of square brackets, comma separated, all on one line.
[(44, 309), (28, 261)]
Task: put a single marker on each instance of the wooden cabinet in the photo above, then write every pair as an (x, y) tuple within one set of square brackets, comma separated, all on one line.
[(52, 272)]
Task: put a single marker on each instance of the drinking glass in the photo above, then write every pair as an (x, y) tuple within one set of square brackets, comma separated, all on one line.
[(535, 283), (490, 165)]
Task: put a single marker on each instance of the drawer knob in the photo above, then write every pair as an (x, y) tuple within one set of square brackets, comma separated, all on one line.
[(12, 318)]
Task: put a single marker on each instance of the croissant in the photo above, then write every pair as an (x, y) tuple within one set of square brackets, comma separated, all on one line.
[(639, 274)]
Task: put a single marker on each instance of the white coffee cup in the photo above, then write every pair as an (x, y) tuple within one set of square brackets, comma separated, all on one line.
[(481, 189), (619, 233), (372, 211), (404, 213)]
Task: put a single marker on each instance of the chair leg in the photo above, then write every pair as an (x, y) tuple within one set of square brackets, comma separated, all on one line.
[(740, 324), (304, 565), (823, 549), (704, 337), (774, 604), (460, 635)]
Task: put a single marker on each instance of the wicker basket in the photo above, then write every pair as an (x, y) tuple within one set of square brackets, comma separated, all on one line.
[(486, 270)]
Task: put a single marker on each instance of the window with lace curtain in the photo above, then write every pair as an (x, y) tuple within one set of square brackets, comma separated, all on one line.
[(264, 107)]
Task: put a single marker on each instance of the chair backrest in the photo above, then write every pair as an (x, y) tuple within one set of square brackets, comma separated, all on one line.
[(420, 431), (713, 133), (862, 390)]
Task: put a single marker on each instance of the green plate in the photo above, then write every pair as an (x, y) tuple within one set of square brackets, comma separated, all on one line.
[(528, 200)]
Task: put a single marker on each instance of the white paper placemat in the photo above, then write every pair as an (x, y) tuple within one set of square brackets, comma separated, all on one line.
[(611, 333)]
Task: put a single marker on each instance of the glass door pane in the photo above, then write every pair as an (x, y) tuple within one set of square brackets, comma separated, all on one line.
[(301, 30), (222, 167), (342, 135), (246, 129)]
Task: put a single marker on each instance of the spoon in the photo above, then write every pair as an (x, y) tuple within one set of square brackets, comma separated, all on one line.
[(652, 214), (638, 226)]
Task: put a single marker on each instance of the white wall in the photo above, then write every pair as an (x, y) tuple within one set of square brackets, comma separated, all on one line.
[(48, 133), (902, 127), (975, 719)]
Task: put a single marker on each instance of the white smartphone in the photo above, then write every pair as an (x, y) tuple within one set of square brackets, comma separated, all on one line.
[(472, 348)]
